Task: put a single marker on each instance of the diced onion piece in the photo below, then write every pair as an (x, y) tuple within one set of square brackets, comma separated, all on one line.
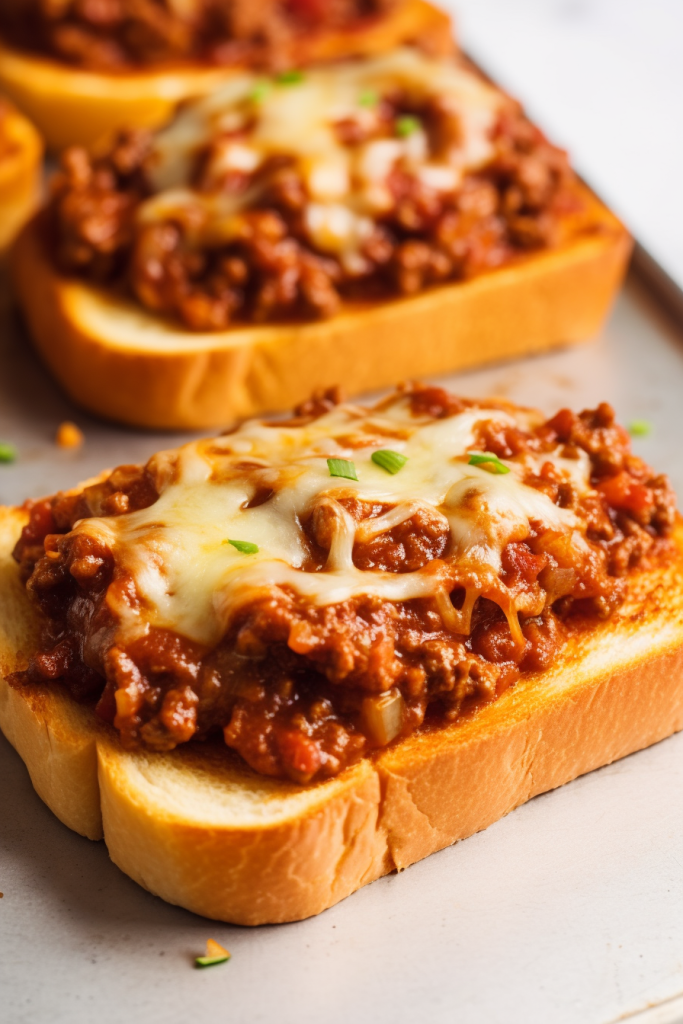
[(416, 148), (557, 582), (375, 159), (382, 717), (439, 177), (476, 146), (354, 264), (335, 228), (235, 156), (327, 179)]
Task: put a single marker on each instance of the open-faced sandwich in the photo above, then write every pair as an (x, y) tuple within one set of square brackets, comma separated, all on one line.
[(83, 68), (271, 666), (372, 220), (21, 155)]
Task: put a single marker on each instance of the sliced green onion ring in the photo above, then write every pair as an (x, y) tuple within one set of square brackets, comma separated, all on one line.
[(245, 547), (488, 461), (8, 452), (368, 98), (209, 961), (342, 468), (639, 428), (388, 460), (407, 125), (260, 91), (291, 77)]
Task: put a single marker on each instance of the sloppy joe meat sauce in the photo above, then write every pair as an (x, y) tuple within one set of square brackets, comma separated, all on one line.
[(110, 35), (298, 689), (288, 256)]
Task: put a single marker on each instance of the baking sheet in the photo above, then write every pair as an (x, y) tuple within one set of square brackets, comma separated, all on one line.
[(570, 910)]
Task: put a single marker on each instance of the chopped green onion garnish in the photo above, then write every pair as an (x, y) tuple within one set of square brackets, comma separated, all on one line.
[(407, 125), (368, 98), (388, 460), (209, 961), (491, 463), (291, 77), (260, 91), (8, 452), (343, 468), (245, 547), (639, 428)]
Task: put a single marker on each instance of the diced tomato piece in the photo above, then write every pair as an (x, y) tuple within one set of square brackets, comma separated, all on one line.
[(520, 562), (623, 492), (300, 755), (563, 423), (309, 10), (41, 522)]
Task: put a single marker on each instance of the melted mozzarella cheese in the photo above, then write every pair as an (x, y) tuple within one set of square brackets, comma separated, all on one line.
[(299, 120), (192, 580)]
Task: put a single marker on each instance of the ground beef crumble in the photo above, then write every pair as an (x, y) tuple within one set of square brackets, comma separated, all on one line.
[(293, 687), (109, 35), (513, 205)]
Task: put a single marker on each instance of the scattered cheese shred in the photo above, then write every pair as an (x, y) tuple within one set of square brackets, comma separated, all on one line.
[(194, 583), (69, 435), (214, 948)]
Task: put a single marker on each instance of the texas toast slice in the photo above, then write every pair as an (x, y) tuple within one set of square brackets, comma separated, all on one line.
[(201, 830)]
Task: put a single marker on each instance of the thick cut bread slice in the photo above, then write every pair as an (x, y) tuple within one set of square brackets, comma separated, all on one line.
[(21, 159), (71, 106), (119, 361), (202, 831)]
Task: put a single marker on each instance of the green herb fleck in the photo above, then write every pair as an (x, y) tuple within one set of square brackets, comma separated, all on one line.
[(639, 428), (407, 125), (491, 463), (368, 98), (260, 91), (388, 460), (245, 547), (8, 452), (291, 77), (343, 468), (209, 961)]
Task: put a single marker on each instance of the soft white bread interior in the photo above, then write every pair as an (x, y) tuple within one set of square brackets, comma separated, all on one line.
[(117, 360), (202, 831)]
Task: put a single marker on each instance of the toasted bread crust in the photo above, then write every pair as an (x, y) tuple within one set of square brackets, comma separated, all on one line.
[(20, 174), (119, 361), (200, 830), (75, 107)]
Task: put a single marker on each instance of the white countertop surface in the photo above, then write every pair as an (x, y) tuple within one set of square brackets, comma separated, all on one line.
[(605, 79)]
